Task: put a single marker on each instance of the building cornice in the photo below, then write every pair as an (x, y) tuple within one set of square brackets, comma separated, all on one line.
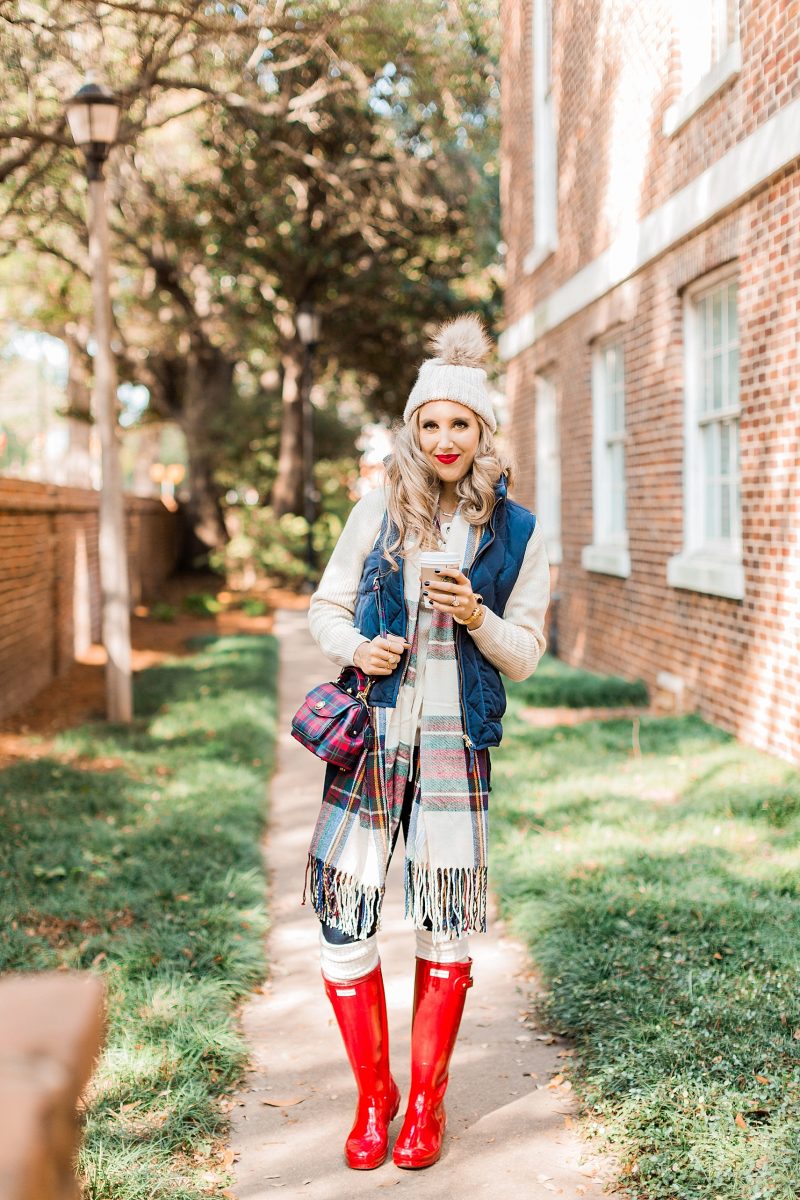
[(743, 169)]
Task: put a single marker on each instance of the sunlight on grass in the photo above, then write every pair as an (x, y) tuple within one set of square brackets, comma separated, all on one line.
[(151, 874), (554, 684), (659, 896)]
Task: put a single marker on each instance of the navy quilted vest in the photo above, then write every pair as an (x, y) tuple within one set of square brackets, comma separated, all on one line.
[(493, 573)]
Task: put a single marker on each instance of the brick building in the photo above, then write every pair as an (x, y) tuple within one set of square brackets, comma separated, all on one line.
[(651, 206)]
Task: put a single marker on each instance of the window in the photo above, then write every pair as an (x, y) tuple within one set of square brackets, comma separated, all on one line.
[(711, 560), (609, 551), (710, 54), (548, 466), (545, 236)]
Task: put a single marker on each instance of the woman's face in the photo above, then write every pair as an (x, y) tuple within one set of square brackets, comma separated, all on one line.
[(449, 434)]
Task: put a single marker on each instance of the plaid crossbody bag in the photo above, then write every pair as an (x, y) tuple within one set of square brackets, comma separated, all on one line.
[(333, 720)]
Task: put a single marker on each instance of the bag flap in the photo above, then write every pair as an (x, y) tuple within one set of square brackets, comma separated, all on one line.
[(327, 700)]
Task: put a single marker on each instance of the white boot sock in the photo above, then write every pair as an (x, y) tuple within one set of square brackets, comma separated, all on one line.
[(350, 961), (450, 951)]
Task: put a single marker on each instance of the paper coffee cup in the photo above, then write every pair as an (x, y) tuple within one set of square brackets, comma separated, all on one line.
[(430, 560)]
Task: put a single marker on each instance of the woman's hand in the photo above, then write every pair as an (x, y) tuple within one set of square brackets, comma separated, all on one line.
[(381, 655), (441, 592)]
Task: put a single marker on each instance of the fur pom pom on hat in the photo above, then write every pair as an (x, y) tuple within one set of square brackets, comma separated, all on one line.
[(455, 373)]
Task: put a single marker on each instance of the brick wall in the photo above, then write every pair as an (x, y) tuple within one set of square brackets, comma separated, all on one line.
[(50, 577), (739, 659)]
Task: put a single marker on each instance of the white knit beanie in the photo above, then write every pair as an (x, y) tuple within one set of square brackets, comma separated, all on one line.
[(455, 373)]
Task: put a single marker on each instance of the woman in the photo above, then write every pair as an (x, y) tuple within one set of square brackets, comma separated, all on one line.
[(433, 646)]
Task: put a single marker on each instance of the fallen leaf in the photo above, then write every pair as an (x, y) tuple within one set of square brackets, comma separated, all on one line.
[(284, 1103), (740, 1121), (762, 1079)]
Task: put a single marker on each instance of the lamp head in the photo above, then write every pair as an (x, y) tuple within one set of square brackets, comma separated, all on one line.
[(93, 116)]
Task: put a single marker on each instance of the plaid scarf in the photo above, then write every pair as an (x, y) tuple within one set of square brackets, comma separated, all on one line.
[(445, 868)]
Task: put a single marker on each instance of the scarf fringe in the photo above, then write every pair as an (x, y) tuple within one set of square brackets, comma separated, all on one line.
[(453, 899), (342, 900)]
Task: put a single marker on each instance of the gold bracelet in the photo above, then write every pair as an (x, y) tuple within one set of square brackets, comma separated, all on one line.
[(468, 620)]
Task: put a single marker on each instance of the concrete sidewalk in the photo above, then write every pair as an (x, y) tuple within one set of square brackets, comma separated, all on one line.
[(510, 1120)]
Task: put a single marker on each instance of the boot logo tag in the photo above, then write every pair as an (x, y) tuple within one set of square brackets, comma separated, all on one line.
[(345, 991), (440, 974)]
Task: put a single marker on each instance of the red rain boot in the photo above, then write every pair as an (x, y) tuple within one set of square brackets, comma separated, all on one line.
[(360, 1008), (440, 990)]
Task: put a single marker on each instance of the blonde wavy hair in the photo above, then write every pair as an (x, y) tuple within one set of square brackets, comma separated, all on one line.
[(414, 487)]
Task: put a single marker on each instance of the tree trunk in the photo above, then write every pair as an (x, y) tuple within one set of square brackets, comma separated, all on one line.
[(194, 390), (288, 491), (206, 403)]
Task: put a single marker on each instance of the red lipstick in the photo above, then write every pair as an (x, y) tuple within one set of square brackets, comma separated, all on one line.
[(447, 458)]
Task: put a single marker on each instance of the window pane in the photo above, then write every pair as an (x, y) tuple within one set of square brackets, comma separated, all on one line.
[(724, 448), (716, 381), (725, 511), (710, 479), (705, 385), (716, 319)]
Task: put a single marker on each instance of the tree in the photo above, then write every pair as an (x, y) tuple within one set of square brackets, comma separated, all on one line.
[(335, 152)]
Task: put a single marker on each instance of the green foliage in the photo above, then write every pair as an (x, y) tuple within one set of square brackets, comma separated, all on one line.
[(161, 611), (556, 684), (659, 895), (252, 607), (151, 875), (263, 547), (276, 549), (201, 604)]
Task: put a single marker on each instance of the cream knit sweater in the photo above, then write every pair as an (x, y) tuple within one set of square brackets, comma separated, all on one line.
[(513, 642)]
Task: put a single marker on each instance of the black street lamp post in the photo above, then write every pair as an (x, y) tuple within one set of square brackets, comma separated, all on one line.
[(309, 325)]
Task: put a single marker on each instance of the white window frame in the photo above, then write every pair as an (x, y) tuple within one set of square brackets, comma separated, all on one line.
[(704, 565), (721, 47), (545, 168), (548, 464), (608, 553)]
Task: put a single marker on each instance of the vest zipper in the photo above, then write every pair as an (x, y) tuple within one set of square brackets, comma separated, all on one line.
[(468, 573), (465, 736), (482, 549)]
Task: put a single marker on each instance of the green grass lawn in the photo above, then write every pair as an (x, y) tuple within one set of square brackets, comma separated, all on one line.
[(660, 896), (150, 874), (554, 684)]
